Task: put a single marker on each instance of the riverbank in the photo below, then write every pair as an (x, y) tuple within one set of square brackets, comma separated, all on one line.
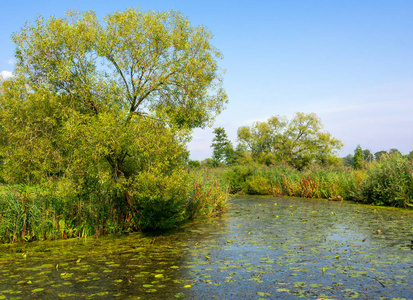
[(31, 213), (386, 182)]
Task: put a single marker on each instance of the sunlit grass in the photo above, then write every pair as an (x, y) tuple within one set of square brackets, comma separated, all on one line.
[(388, 182)]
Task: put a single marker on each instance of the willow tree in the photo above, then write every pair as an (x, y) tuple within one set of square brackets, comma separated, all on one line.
[(109, 101), (298, 142)]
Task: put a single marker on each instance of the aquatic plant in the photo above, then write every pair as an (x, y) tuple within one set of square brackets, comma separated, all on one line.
[(387, 182), (208, 194)]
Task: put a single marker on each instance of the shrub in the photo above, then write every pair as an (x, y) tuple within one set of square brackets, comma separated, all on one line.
[(159, 200), (389, 182), (194, 163), (236, 177), (259, 185)]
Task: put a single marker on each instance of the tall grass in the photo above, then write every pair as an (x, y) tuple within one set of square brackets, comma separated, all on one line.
[(283, 180), (25, 215), (387, 182), (208, 194), (57, 211)]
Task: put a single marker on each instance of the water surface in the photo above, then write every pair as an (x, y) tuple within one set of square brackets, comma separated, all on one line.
[(263, 248)]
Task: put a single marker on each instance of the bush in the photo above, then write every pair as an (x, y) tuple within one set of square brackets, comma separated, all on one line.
[(159, 200), (194, 163), (236, 178), (258, 185), (389, 182)]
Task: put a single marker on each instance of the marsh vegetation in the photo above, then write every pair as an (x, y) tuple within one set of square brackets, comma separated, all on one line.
[(263, 248), (93, 132)]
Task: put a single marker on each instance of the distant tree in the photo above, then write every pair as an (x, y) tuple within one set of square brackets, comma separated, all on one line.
[(410, 156), (348, 161), (242, 155), (223, 152), (379, 154), (368, 156), (194, 163), (241, 148), (394, 150), (358, 158), (298, 142), (208, 162), (263, 137)]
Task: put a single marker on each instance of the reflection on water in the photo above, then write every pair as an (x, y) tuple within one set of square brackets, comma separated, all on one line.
[(264, 247)]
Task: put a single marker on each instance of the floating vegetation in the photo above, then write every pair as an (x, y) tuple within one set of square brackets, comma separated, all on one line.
[(237, 255)]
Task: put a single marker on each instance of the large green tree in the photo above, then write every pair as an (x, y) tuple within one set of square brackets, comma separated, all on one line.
[(263, 137), (108, 102), (299, 141), (140, 62)]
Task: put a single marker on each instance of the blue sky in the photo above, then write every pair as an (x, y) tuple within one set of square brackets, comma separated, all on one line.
[(349, 61)]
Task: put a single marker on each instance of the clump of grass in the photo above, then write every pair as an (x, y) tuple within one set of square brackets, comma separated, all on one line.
[(208, 194), (206, 201), (21, 216)]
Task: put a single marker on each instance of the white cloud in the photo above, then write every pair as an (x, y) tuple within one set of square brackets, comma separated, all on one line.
[(10, 61), (6, 74)]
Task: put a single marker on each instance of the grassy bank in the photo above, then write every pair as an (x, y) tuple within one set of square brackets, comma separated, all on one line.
[(387, 182), (283, 180), (29, 213), (56, 210)]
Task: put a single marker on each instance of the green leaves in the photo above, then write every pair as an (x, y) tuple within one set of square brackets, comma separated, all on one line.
[(358, 157), (388, 182), (101, 111), (154, 62), (223, 151), (298, 142)]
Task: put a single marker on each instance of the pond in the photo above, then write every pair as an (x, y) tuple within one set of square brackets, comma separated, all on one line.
[(263, 248)]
